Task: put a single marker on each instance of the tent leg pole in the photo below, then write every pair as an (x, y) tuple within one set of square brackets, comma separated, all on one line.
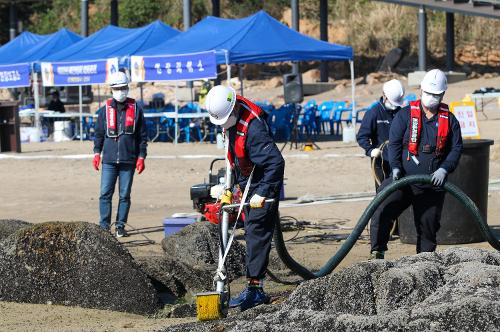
[(176, 130), (36, 96), (228, 75), (99, 95), (80, 101), (240, 72), (353, 89)]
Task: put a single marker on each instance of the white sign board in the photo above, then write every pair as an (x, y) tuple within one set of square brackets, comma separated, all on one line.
[(465, 112)]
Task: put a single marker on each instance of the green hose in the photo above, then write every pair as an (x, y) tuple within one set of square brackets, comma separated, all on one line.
[(335, 260)]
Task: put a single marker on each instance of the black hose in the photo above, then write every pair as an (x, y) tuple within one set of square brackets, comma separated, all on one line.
[(335, 260)]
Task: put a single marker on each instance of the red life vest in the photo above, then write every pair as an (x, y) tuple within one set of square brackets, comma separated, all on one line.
[(249, 112), (416, 128), (112, 118)]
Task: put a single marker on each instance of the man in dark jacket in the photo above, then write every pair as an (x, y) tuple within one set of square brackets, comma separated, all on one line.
[(373, 134), (425, 138), (55, 103), (121, 137), (254, 157)]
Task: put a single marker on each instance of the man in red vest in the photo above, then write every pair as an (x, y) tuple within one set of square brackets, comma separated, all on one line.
[(121, 137), (253, 155), (424, 138)]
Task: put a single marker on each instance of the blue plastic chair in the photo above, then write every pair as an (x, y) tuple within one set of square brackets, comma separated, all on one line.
[(268, 109), (410, 97), (360, 114), (336, 118), (346, 115), (187, 124), (280, 122), (266, 106), (325, 110), (167, 125), (307, 121)]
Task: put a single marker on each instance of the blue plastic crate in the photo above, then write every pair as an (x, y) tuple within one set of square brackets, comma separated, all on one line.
[(174, 225)]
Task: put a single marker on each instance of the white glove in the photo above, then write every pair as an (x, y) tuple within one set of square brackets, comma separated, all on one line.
[(376, 153), (439, 177), (257, 201)]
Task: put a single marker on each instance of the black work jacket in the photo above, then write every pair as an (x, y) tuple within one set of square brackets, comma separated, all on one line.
[(265, 155), (374, 130), (125, 148), (428, 162)]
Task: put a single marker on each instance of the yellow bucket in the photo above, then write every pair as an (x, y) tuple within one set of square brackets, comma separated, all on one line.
[(208, 306)]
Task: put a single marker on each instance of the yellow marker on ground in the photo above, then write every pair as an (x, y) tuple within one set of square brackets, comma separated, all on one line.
[(308, 147)]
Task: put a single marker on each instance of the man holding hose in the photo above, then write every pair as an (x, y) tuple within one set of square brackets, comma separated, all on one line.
[(253, 155), (425, 138), (374, 131)]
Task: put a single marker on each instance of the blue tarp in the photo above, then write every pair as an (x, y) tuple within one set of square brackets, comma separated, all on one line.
[(113, 41), (255, 39), (19, 45)]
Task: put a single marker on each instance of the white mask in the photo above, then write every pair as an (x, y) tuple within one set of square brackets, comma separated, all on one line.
[(120, 95), (430, 101), (389, 106), (231, 121)]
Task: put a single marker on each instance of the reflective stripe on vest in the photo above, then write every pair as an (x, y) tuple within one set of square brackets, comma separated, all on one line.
[(112, 126), (248, 112), (416, 128)]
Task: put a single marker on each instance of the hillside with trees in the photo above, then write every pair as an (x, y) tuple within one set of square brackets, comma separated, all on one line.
[(372, 28)]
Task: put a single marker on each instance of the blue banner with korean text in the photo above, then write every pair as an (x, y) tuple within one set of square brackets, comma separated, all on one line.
[(78, 73), (15, 76), (180, 67)]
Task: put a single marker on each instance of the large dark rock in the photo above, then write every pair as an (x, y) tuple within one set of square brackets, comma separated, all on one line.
[(9, 226), (176, 277), (455, 290), (197, 245), (73, 264), (190, 260)]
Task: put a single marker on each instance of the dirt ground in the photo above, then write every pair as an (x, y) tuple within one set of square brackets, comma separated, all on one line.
[(56, 181)]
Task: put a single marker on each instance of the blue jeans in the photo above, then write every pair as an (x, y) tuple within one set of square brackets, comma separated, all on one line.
[(110, 173)]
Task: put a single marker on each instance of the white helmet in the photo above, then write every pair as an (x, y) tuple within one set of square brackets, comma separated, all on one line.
[(118, 79), (434, 82), (219, 103), (395, 92)]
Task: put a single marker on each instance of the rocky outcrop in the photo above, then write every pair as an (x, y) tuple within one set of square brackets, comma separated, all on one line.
[(455, 290), (73, 264), (9, 226)]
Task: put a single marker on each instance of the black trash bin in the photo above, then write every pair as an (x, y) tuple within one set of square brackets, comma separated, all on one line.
[(457, 225)]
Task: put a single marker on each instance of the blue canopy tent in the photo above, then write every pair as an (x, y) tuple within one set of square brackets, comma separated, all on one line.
[(113, 41), (40, 49), (19, 45), (258, 38), (28, 48)]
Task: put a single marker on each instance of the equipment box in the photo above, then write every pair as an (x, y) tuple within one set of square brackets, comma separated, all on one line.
[(174, 225), (10, 138)]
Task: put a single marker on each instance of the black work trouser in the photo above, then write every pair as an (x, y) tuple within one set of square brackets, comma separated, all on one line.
[(427, 206), (259, 228)]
